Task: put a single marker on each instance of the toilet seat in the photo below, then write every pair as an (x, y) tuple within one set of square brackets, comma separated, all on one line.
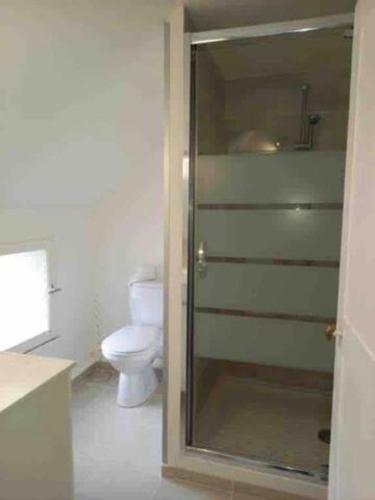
[(131, 340)]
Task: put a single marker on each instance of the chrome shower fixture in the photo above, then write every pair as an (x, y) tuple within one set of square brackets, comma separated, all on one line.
[(307, 123)]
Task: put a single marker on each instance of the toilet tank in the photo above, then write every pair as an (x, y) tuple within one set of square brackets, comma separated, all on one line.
[(146, 303)]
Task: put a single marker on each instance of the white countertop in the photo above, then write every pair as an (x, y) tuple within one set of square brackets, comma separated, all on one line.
[(21, 374)]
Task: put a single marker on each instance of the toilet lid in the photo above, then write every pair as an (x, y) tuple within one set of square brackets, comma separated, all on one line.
[(131, 339)]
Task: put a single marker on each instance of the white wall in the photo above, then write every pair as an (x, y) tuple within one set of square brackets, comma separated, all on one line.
[(127, 231), (82, 126), (128, 221), (80, 97)]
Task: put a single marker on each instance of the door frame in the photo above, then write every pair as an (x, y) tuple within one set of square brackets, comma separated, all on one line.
[(178, 168), (272, 29)]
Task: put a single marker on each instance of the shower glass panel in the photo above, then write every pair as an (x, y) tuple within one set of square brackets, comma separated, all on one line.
[(269, 121)]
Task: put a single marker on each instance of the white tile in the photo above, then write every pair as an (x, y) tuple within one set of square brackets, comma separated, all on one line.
[(109, 483), (113, 439)]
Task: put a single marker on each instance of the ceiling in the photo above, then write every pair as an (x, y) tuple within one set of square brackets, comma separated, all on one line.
[(213, 14)]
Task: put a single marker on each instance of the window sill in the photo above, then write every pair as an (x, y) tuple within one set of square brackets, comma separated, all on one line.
[(33, 343)]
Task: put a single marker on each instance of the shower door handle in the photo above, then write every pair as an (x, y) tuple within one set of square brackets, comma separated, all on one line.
[(201, 258), (330, 331)]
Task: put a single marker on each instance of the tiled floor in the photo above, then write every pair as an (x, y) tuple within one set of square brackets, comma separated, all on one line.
[(118, 451), (266, 421)]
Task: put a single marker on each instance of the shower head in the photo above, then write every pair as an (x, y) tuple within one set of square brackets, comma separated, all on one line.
[(308, 144), (313, 119), (307, 122)]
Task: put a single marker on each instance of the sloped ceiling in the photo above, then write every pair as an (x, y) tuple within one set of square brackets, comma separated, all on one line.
[(81, 99), (214, 14)]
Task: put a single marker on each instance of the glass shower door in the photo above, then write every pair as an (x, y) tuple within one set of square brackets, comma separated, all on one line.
[(264, 260)]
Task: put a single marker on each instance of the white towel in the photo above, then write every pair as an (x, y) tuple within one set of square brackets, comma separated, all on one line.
[(143, 273)]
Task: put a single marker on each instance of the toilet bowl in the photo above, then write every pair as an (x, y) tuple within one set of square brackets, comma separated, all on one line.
[(132, 349)]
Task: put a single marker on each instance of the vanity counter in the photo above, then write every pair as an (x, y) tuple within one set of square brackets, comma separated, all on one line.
[(21, 374), (35, 428)]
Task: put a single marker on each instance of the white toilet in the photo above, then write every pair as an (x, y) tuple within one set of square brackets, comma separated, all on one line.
[(133, 349)]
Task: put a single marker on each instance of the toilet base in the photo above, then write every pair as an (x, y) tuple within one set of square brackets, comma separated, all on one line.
[(136, 388)]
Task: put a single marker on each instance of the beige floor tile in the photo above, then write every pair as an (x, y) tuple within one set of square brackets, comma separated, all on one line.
[(181, 490), (115, 484), (117, 451), (244, 491), (245, 496), (270, 496)]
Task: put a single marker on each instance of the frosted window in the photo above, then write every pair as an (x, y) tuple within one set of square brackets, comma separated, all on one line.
[(24, 300)]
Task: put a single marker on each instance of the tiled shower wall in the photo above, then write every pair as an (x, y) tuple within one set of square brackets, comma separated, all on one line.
[(262, 111), (253, 114)]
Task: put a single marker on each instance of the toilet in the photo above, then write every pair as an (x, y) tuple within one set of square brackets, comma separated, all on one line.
[(133, 349)]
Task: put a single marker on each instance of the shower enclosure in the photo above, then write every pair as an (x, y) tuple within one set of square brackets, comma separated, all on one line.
[(269, 112)]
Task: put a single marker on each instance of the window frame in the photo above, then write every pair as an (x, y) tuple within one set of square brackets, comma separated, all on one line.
[(8, 248)]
